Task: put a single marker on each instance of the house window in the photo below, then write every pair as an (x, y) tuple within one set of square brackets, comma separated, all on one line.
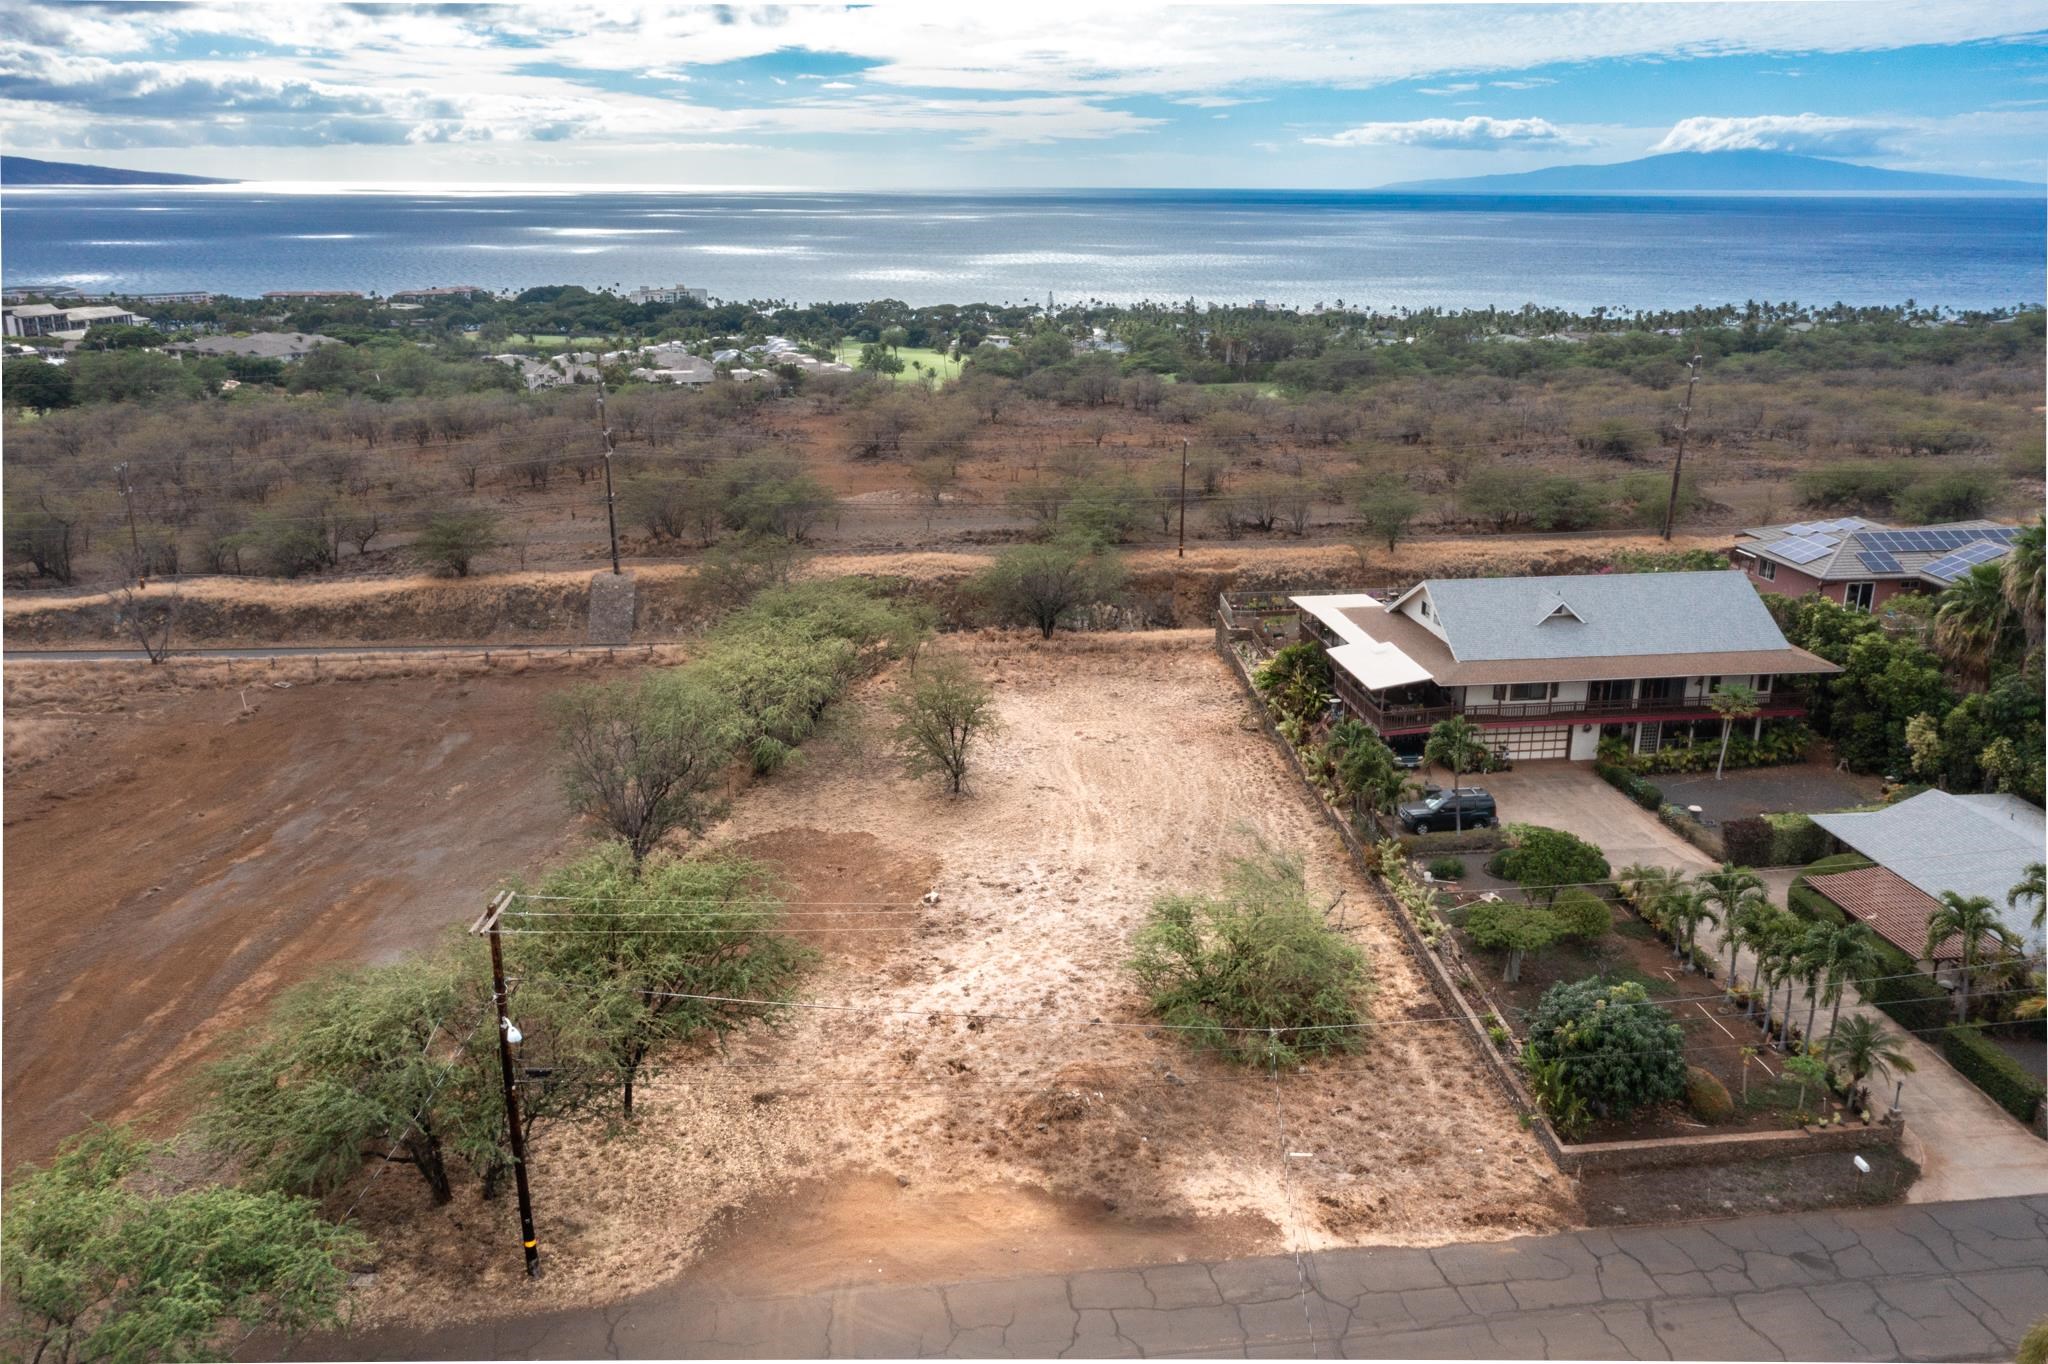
[(1766, 570), (1422, 605), (1530, 691), (1763, 681), (1858, 596)]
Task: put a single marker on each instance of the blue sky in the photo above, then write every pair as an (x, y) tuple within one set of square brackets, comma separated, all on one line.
[(903, 95)]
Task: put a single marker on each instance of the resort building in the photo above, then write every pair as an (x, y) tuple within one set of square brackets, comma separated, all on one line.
[(1550, 666), (675, 293), (70, 324), (1861, 564), (258, 345)]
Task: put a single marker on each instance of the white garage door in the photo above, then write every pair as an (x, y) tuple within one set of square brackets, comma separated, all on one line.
[(1527, 745)]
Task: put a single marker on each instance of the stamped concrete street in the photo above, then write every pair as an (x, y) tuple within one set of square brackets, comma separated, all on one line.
[(1942, 1281)]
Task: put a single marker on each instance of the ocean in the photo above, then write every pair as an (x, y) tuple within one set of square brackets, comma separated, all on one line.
[(1292, 249)]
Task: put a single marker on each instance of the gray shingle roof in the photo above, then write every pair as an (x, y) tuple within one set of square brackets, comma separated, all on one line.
[(1973, 845), (1843, 562), (1627, 614)]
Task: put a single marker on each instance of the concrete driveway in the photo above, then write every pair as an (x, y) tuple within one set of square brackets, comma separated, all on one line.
[(1568, 796)]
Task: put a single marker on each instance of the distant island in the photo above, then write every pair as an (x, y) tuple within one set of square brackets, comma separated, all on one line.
[(26, 170), (1732, 172)]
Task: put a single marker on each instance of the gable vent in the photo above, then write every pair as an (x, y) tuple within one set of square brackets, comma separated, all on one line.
[(1563, 611)]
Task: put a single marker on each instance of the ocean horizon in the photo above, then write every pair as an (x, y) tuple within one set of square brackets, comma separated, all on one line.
[(1289, 248)]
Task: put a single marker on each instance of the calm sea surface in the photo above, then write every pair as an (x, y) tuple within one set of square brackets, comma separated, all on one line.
[(1287, 248)]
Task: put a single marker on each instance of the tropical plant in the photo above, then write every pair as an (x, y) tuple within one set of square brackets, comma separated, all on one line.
[(1845, 954), (2021, 581), (1862, 1047), (1620, 1051), (1296, 680), (1808, 1071), (1367, 774), (1516, 929), (2030, 888), (1735, 894), (1731, 702), (1972, 919), (1971, 621), (1685, 910), (1455, 743)]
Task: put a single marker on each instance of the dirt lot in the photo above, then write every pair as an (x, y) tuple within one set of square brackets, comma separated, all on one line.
[(976, 1091), (172, 862)]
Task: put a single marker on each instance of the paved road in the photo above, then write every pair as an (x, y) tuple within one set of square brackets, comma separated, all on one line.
[(1955, 1281)]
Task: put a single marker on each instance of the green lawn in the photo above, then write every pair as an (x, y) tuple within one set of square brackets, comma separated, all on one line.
[(937, 362)]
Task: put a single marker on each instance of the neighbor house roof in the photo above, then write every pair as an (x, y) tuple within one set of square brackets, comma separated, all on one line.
[(1972, 845), (261, 345), (1894, 907), (1599, 616), (1851, 548), (1589, 629)]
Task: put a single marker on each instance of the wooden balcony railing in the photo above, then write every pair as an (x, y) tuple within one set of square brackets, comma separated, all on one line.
[(1780, 701)]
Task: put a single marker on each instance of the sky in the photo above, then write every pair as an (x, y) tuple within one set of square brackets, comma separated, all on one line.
[(1011, 93)]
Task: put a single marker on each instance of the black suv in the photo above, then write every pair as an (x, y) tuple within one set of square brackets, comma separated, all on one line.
[(1441, 810)]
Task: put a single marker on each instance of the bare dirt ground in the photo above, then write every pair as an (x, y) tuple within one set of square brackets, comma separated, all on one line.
[(973, 1088), (172, 862)]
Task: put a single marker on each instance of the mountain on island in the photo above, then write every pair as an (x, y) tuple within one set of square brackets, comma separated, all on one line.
[(24, 170), (1731, 172)]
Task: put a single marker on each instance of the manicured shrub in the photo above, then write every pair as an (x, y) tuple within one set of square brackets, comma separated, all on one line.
[(1618, 1052), (1546, 860), (1706, 1096), (1991, 1070), (1454, 840), (1513, 928), (1643, 793), (1448, 868), (1796, 840), (1692, 831), (1916, 1003), (1583, 915), (1748, 842)]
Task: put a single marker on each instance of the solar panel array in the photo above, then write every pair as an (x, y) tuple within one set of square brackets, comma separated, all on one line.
[(1840, 524), (1934, 541), (1879, 561), (1803, 549), (1963, 560)]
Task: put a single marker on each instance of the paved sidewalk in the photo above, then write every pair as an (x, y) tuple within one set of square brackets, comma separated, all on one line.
[(1958, 1281)]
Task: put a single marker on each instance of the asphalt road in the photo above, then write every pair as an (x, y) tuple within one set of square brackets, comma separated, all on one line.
[(1945, 1281)]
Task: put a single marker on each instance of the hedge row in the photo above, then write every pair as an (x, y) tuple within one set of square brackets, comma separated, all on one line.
[(1994, 1072), (1451, 840), (1692, 831), (1644, 793)]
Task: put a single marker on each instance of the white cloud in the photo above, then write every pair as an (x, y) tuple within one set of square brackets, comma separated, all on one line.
[(1808, 134), (1214, 101), (1477, 133), (1458, 88), (1530, 83), (836, 85)]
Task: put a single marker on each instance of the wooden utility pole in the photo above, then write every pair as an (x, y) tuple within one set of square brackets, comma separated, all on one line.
[(128, 496), (611, 515), (1182, 552), (488, 926), (1684, 423)]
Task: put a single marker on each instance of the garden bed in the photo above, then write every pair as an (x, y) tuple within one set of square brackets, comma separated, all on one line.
[(1716, 1034)]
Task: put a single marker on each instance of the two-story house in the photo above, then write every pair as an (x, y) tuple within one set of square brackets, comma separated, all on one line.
[(1547, 667)]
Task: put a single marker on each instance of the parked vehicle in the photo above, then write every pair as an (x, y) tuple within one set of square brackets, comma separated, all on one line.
[(1469, 806)]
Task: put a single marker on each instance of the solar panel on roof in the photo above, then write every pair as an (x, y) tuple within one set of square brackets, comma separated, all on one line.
[(1879, 560), (1800, 528), (1802, 551), (1953, 566)]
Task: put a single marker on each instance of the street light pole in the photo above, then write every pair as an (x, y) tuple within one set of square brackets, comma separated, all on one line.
[(488, 926), (611, 514)]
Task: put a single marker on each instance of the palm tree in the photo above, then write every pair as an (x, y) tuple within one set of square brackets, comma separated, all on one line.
[(1685, 908), (1766, 927), (1783, 959), (1861, 1047), (2031, 888), (1972, 918), (1731, 702), (1455, 743), (1630, 879), (1848, 954), (1971, 620), (2021, 581), (1735, 894)]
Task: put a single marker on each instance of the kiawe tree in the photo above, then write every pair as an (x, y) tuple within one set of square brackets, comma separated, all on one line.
[(942, 713), (642, 758)]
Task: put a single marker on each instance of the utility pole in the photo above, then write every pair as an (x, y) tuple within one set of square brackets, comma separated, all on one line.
[(128, 495), (1182, 552), (611, 514), (488, 926), (1684, 422)]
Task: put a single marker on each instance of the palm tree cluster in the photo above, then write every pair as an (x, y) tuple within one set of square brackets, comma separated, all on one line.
[(1995, 609)]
